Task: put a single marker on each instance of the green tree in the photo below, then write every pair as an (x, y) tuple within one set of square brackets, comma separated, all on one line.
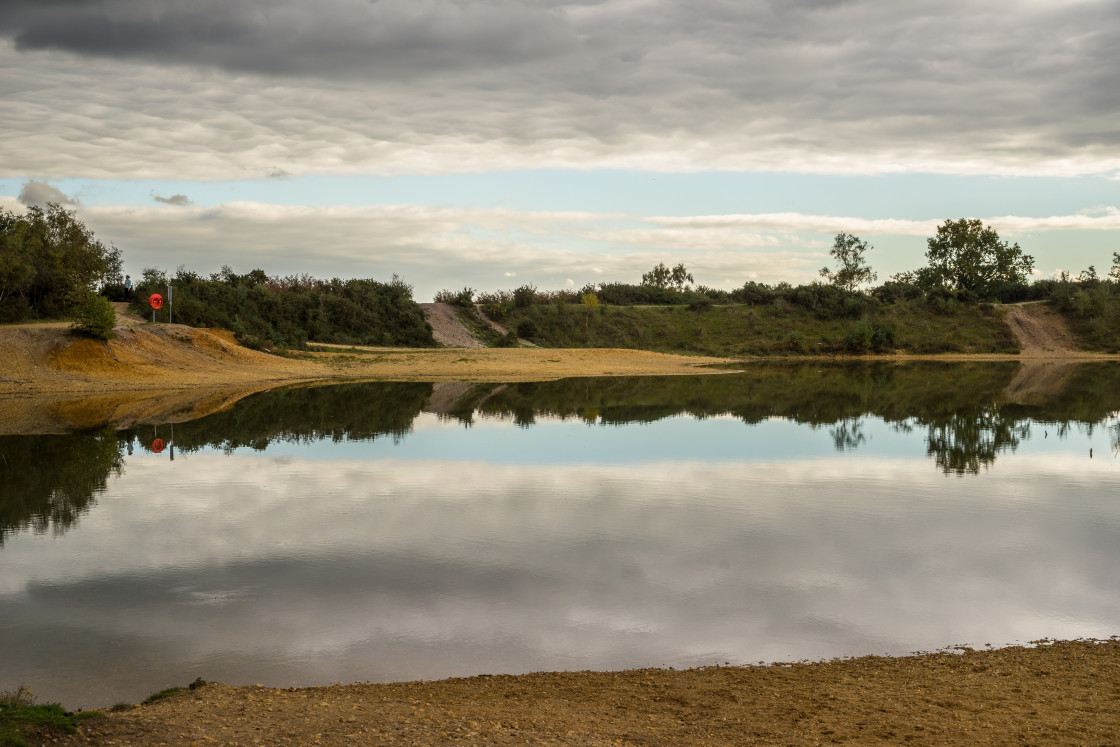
[(967, 255), (49, 260), (661, 276), (853, 270), (1114, 273)]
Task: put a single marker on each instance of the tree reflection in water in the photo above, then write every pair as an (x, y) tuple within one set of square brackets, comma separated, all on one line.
[(48, 481)]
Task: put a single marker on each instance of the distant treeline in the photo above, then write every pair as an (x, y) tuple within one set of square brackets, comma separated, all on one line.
[(968, 268), (289, 312)]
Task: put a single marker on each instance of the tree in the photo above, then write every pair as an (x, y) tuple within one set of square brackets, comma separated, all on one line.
[(848, 251), (1114, 273), (50, 260), (966, 255), (661, 276)]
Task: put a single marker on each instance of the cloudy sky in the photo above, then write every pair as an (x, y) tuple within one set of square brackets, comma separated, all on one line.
[(492, 143)]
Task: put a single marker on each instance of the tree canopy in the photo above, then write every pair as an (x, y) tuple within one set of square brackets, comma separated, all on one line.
[(848, 251), (969, 256), (661, 276), (49, 262)]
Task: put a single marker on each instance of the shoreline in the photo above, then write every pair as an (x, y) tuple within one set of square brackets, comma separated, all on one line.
[(1062, 692), (53, 382)]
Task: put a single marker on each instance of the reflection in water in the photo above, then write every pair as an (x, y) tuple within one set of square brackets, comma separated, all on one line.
[(788, 512), (48, 481)]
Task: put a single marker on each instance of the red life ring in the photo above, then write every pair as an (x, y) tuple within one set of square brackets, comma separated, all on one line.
[(158, 446), (156, 301)]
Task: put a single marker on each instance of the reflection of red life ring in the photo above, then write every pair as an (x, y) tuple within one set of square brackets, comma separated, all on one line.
[(156, 301), (158, 445)]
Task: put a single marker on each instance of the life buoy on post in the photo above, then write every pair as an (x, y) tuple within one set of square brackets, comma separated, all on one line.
[(158, 446), (155, 301)]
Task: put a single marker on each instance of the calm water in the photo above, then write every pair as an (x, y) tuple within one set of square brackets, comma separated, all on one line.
[(404, 531)]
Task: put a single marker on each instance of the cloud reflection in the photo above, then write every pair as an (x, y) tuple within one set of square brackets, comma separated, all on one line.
[(247, 568)]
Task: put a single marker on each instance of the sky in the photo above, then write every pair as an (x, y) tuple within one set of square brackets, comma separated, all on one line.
[(490, 143)]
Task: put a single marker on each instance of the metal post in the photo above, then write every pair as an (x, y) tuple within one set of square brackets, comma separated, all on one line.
[(169, 303)]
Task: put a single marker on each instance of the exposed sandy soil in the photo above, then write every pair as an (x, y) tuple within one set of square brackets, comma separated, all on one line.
[(1041, 331), (446, 327), (1063, 693), (46, 358), (51, 381)]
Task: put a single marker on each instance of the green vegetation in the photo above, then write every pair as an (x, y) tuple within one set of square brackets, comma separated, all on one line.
[(49, 263), (21, 717), (945, 307), (289, 312), (1091, 305), (967, 256), (819, 319), (852, 270), (94, 317), (165, 693)]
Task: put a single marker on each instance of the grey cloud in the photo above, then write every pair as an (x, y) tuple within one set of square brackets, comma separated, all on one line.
[(38, 194), (329, 38), (430, 86), (177, 200)]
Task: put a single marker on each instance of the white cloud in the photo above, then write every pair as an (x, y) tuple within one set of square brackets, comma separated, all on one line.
[(436, 247)]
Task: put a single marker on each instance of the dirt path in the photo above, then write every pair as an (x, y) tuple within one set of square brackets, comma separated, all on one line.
[(446, 327), (126, 318), (1062, 693), (1041, 331)]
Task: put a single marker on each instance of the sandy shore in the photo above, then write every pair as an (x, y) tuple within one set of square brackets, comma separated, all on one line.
[(1059, 693)]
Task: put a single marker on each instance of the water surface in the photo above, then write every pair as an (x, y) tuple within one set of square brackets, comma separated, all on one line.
[(402, 531)]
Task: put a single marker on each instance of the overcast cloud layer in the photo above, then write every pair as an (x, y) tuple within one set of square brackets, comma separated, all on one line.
[(214, 90)]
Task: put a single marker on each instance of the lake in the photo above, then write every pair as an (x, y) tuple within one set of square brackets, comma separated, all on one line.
[(397, 531)]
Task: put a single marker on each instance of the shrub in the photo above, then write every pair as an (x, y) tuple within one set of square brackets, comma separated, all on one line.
[(754, 294), (508, 340), (700, 304), (94, 316), (525, 296), (527, 328), (858, 338)]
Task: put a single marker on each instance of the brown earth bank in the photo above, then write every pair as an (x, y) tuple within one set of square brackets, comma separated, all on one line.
[(47, 358), (1054, 693)]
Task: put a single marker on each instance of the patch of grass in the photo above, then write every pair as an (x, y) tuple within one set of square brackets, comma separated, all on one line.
[(738, 330), (163, 694), (312, 348), (22, 717)]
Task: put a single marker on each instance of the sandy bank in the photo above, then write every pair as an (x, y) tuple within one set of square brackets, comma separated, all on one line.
[(1063, 693)]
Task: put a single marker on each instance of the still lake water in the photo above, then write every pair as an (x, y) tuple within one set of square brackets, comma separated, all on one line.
[(414, 531)]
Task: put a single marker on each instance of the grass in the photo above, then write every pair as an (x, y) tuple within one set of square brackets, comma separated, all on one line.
[(1099, 332), (479, 328), (21, 716), (167, 693), (737, 330)]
